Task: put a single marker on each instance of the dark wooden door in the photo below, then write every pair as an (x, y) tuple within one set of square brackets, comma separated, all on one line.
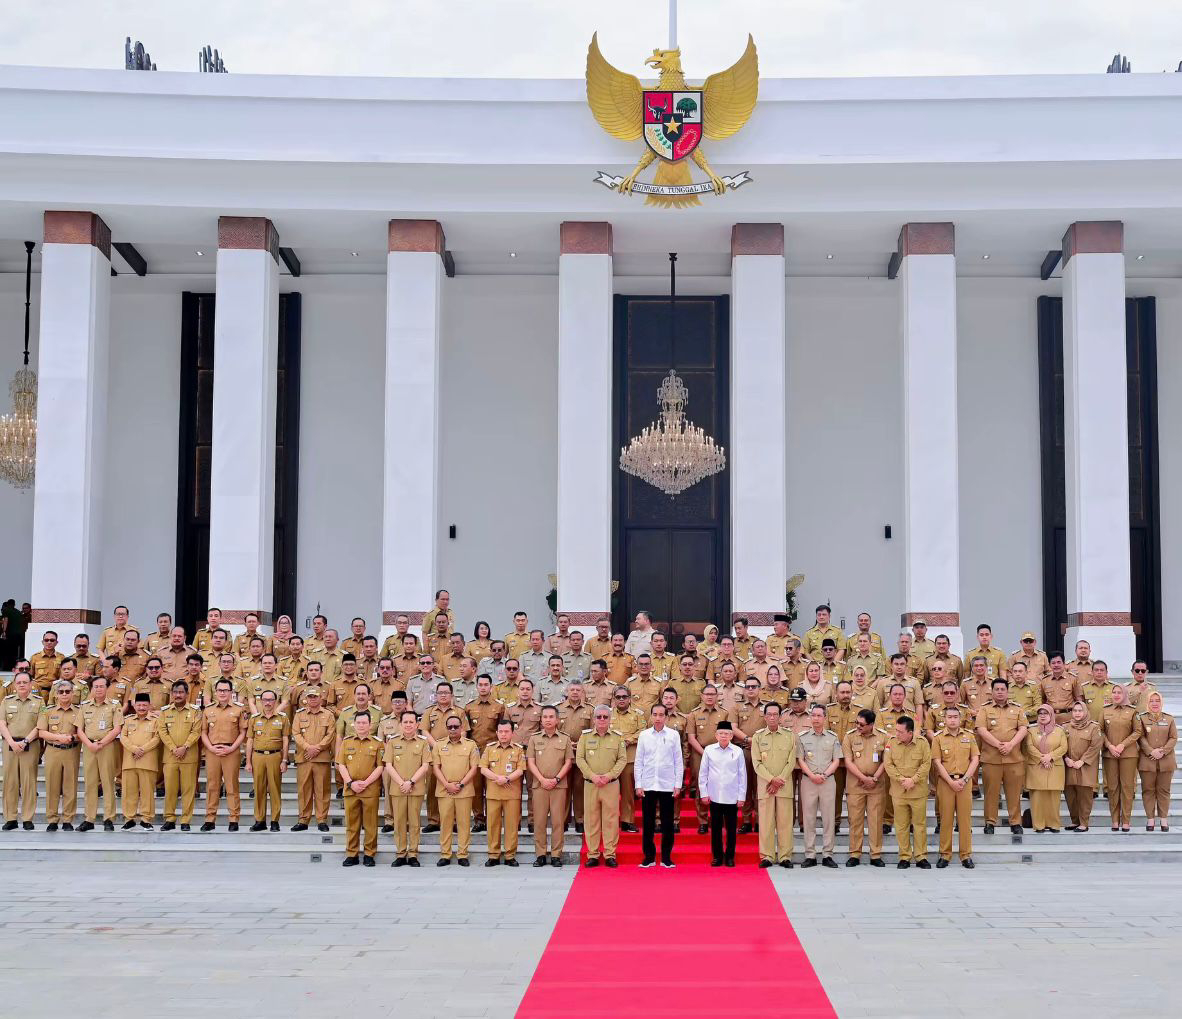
[(1144, 540), (672, 555)]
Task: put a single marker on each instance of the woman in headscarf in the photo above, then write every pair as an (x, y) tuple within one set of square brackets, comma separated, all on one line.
[(1157, 762), (816, 686), (709, 645), (1046, 745), (281, 639), (1082, 763), (864, 694)]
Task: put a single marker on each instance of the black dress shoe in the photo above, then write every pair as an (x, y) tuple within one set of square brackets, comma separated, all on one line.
[(854, 861), (398, 861), (462, 861), (9, 825), (430, 828), (968, 863), (1015, 829), (764, 864), (28, 826), (259, 826), (443, 861), (168, 826), (208, 826), (108, 826), (828, 861), (703, 829), (350, 861), (340, 794), (810, 862), (66, 826), (579, 827), (1053, 831), (941, 863), (128, 825), (52, 826), (924, 865), (541, 861), (745, 829), (611, 862), (976, 794), (368, 861), (299, 826), (512, 862), (232, 826), (387, 828), (886, 829), (493, 861), (631, 828), (185, 827), (323, 826), (146, 826), (555, 861), (477, 827), (903, 864), (715, 863), (86, 826), (729, 863), (877, 862), (988, 829), (274, 826), (787, 864), (591, 861), (412, 861)]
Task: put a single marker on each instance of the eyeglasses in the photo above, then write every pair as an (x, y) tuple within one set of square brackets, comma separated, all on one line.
[(621, 696), (154, 668), (1140, 670), (511, 668), (453, 728)]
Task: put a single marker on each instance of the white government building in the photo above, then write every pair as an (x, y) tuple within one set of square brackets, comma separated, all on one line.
[(370, 337)]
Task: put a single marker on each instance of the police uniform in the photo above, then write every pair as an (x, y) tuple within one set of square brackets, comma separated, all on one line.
[(180, 729), (61, 764), (98, 721), (313, 731), (406, 756), (867, 807), (139, 773), (223, 727), (910, 760), (20, 769), (956, 754), (603, 756), (453, 761), (773, 756), (504, 801), (359, 756), (817, 751), (268, 740), (549, 754)]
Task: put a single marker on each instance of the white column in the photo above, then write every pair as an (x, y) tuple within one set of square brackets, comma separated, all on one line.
[(931, 532), (410, 494), (242, 489), (1096, 445), (585, 448), (758, 454), (72, 367)]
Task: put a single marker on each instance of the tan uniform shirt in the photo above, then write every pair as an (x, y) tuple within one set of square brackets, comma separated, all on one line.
[(600, 693), (549, 754), (454, 760), (811, 644), (601, 755), (526, 721), (773, 755), (703, 724), (629, 724), (574, 720), (503, 761), (97, 720), (223, 724), (867, 754), (619, 667), (909, 760), (60, 722), (1003, 724), (407, 756), (645, 693), (314, 730), (954, 752), (483, 717), (1158, 732), (1084, 743), (268, 735), (21, 716), (1028, 696), (140, 733), (1121, 728), (180, 727), (1097, 697), (1036, 664), (360, 756), (1061, 693)]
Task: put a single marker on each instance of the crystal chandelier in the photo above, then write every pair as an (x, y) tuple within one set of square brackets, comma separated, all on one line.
[(18, 430), (671, 454)]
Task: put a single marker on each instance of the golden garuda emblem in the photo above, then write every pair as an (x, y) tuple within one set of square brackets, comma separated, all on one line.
[(672, 118)]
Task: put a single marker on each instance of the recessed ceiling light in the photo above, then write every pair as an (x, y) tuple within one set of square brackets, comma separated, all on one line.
[(829, 257), (985, 257), (1140, 258), (200, 254), (512, 254)]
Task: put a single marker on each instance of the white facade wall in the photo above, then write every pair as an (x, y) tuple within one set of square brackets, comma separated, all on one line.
[(1169, 428), (16, 507)]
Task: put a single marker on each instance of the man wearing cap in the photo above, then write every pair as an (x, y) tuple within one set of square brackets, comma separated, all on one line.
[(313, 730), (779, 643), (359, 761), (819, 754), (773, 758), (823, 630), (179, 729), (1036, 662), (922, 647), (140, 740), (601, 757)]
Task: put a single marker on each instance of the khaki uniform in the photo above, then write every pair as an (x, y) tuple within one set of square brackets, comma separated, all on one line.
[(1036, 664), (359, 756), (604, 756), (180, 729), (504, 801), (133, 665), (773, 756), (840, 721), (577, 667), (955, 753), (913, 696), (866, 806), (780, 647), (139, 773), (203, 639), (516, 644), (874, 664), (223, 725), (406, 667), (1138, 695), (851, 644), (1045, 784), (629, 725), (574, 721), (483, 717), (824, 690), (45, 670), (434, 723), (157, 690), (910, 760), (88, 665), (316, 731), (814, 635), (331, 666), (645, 693), (20, 769), (1084, 743), (598, 647), (1158, 732), (241, 644), (98, 767), (453, 761), (1028, 696), (406, 757), (730, 696), (746, 721), (383, 693), (549, 755), (269, 739), (743, 646), (974, 696), (600, 693), (665, 667), (996, 663), (1081, 670), (1060, 694), (619, 667), (953, 666), (702, 724), (173, 661), (1006, 771), (111, 641), (1122, 728), (61, 764), (818, 751)]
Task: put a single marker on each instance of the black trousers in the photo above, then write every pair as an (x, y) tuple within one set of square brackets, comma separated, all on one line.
[(723, 814), (649, 804)]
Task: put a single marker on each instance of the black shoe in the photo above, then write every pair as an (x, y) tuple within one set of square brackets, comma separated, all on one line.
[(941, 863), (28, 826), (52, 826), (185, 827), (876, 861), (259, 826), (611, 862), (976, 794), (350, 861), (1015, 829), (430, 829), (968, 863), (108, 826), (903, 864), (512, 862), (443, 861), (387, 828), (715, 863), (810, 862), (340, 794), (854, 861), (462, 861), (730, 863), (274, 826), (208, 826), (146, 826), (764, 864), (493, 861), (633, 829), (989, 829), (322, 827), (924, 865), (555, 861), (477, 827), (937, 828), (232, 826), (368, 861), (886, 829), (703, 829), (541, 861), (412, 861), (676, 827), (591, 861), (299, 826), (9, 825), (398, 861), (579, 827), (745, 829), (128, 825), (86, 826), (1053, 831), (787, 864), (168, 826), (828, 861)]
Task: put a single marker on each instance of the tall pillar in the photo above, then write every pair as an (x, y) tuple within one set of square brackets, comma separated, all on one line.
[(72, 368), (242, 488), (931, 533), (1096, 445), (585, 449), (759, 427), (410, 494)]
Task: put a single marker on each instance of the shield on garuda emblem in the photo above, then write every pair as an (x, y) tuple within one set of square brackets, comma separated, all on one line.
[(673, 122)]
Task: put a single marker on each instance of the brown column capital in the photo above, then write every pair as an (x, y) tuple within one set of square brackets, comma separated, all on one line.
[(390, 617), (1101, 237), (237, 617), (1100, 619), (248, 233), (583, 618), (577, 238), (78, 228), (416, 235), (931, 618), (757, 239), (927, 239), (85, 617), (756, 618)]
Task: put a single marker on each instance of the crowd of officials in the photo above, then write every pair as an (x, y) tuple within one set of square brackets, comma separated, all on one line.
[(480, 733)]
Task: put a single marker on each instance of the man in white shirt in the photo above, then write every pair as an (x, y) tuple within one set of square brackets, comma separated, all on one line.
[(640, 640), (722, 784), (660, 774)]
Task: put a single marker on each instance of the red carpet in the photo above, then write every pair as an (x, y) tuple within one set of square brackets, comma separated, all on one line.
[(695, 940)]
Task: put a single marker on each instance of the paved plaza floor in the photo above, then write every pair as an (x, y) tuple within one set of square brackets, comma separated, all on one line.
[(314, 940)]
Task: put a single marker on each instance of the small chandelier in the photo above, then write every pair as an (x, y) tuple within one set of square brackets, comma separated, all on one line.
[(671, 454), (18, 430)]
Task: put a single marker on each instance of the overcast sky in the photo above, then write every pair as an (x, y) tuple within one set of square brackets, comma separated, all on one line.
[(528, 38)]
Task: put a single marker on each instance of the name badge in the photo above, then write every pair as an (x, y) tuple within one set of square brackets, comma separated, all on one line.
[(874, 757), (102, 724), (508, 767)]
